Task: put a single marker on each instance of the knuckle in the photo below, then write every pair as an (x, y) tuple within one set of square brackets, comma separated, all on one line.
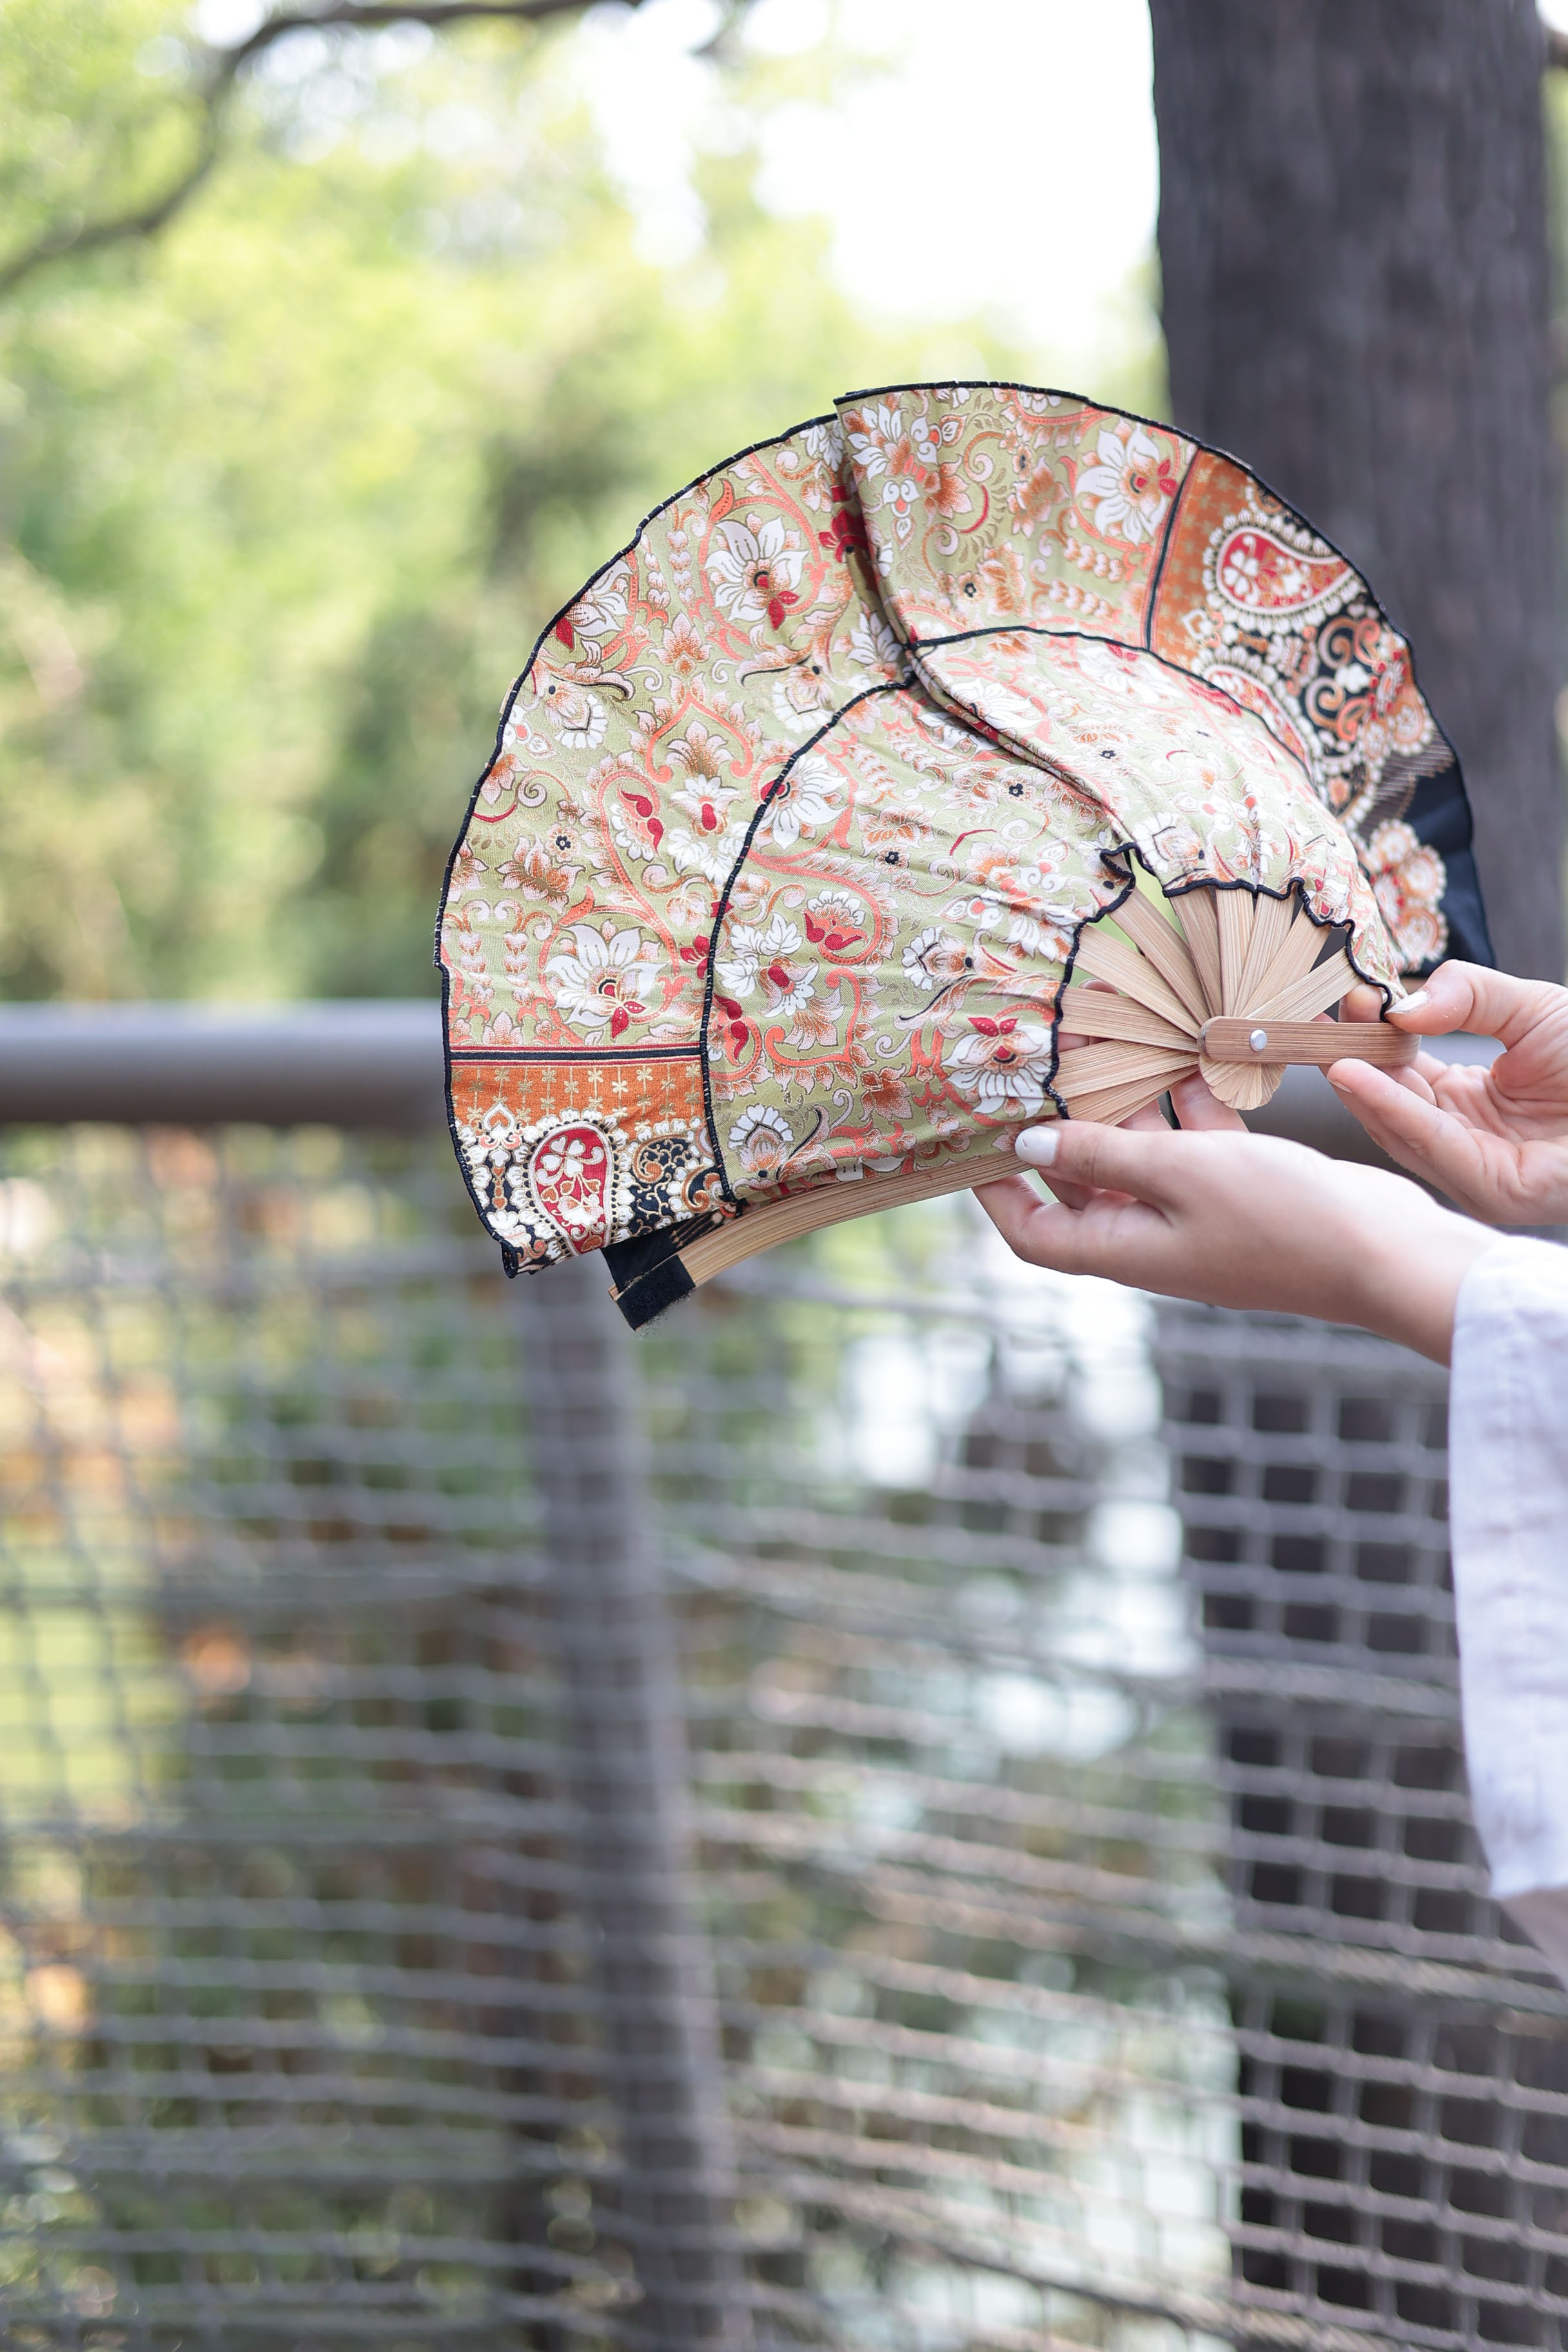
[(1091, 1156), (1079, 1148)]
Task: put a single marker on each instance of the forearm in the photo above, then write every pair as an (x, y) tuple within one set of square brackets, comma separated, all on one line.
[(1407, 1288)]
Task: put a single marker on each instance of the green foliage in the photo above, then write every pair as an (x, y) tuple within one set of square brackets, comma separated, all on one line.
[(98, 117), (290, 491)]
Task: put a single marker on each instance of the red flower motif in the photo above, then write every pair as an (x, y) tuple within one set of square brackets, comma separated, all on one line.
[(777, 601), (642, 805), (834, 938), (845, 534), (1161, 481), (735, 1023)]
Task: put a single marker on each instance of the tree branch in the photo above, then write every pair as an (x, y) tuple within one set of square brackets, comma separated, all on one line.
[(362, 15), (221, 69), (84, 236)]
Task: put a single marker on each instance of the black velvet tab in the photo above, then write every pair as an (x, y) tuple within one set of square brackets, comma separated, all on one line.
[(647, 1273), (647, 1298), (629, 1261)]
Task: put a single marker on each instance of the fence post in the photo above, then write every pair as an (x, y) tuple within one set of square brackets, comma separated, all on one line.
[(629, 1775)]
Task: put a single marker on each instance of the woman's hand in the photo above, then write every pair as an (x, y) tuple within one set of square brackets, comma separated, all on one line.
[(1494, 1141), (1239, 1220)]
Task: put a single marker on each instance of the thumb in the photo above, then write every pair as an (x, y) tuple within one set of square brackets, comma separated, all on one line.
[(1468, 997), (1107, 1158)]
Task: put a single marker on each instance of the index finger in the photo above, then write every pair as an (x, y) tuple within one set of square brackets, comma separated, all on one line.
[(1091, 1240)]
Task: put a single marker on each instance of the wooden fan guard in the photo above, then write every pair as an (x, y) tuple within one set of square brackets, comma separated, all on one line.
[(1229, 982)]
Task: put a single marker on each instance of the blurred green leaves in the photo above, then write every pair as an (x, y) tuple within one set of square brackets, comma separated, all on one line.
[(287, 494), (101, 116)]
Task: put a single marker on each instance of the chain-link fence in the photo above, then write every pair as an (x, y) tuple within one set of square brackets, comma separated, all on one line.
[(517, 1837)]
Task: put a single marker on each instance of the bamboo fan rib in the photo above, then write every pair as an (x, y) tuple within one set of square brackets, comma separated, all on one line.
[(1136, 1028), (1199, 919)]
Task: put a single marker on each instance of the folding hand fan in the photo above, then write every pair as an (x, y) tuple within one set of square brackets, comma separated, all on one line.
[(968, 757)]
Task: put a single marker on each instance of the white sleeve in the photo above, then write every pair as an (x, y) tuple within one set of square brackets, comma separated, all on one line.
[(1508, 1463)]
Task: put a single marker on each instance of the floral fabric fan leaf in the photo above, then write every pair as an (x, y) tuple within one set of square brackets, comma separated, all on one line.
[(970, 756)]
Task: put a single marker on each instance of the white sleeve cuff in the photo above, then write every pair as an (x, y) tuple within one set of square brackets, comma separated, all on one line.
[(1509, 1482)]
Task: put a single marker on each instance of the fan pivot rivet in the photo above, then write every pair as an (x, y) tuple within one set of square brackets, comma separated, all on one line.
[(1258, 1040)]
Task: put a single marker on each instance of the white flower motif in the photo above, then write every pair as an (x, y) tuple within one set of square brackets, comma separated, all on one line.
[(878, 436), (706, 801), (602, 608), (835, 921), (1003, 1061), (873, 644), (1169, 840), (711, 854), (607, 978), (750, 947), (468, 867), (824, 443), (902, 454), (934, 958), (1043, 931), (577, 715), (762, 1141), (789, 988), (755, 569), (806, 798), (1132, 485), (801, 695), (814, 1021)]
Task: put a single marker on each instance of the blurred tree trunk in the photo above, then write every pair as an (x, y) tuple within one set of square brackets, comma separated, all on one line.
[(1353, 241)]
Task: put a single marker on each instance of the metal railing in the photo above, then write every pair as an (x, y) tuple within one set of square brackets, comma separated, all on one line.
[(844, 1821), (371, 1063)]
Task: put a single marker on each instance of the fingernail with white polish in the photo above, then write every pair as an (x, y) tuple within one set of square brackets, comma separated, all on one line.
[(1415, 1003), (1037, 1145)]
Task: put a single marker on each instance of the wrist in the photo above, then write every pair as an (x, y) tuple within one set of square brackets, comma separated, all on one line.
[(1408, 1284)]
